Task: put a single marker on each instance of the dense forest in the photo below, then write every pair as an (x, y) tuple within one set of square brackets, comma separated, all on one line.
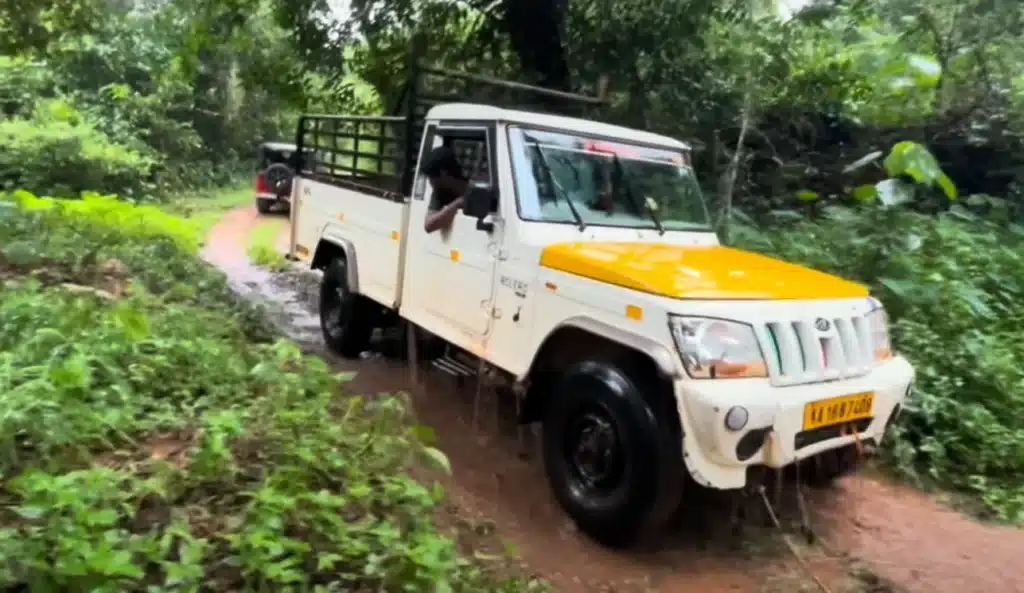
[(877, 139)]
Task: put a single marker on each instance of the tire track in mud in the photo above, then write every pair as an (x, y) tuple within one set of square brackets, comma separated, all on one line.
[(910, 542)]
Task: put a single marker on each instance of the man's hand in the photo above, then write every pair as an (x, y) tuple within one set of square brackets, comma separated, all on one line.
[(442, 218)]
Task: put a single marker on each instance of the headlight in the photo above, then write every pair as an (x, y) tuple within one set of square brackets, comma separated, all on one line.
[(717, 349), (878, 322)]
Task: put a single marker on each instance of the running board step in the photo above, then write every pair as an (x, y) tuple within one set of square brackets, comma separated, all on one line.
[(454, 367)]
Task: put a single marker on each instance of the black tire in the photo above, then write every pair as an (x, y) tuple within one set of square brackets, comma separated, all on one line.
[(279, 176), (264, 205), (346, 318), (628, 491)]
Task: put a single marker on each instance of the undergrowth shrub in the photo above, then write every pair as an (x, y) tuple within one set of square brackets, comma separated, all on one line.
[(58, 151), (267, 256), (953, 287), (148, 443), (262, 249), (158, 249), (22, 83)]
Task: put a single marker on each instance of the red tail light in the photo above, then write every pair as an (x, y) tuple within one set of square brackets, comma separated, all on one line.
[(261, 185)]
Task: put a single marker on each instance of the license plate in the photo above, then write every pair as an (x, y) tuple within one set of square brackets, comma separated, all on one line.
[(838, 410)]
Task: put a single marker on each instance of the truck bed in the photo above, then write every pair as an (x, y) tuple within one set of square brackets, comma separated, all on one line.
[(372, 225), (351, 194)]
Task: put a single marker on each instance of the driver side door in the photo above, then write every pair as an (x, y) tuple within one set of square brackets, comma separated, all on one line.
[(453, 270)]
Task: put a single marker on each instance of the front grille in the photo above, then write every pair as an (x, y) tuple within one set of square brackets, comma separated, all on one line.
[(819, 349)]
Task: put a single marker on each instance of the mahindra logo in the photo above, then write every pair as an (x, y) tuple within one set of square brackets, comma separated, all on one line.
[(822, 324)]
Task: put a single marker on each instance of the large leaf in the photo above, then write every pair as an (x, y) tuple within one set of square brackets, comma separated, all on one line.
[(914, 160)]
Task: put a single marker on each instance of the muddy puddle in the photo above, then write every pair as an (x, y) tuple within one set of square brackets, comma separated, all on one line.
[(873, 536)]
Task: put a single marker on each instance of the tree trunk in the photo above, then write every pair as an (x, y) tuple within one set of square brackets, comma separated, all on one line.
[(729, 187), (536, 31)]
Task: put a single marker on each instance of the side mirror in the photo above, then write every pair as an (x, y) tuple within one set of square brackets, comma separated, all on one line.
[(479, 203)]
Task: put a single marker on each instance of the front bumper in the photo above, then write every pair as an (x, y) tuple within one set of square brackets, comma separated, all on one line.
[(774, 435), (271, 196)]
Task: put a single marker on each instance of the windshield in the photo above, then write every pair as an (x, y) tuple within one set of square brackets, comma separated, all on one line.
[(609, 183)]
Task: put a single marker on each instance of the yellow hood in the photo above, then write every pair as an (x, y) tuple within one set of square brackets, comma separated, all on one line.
[(710, 272)]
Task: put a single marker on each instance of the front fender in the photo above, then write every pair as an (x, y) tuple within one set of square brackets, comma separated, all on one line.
[(662, 356)]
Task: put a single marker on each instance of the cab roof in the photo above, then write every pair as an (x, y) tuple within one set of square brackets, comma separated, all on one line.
[(477, 112)]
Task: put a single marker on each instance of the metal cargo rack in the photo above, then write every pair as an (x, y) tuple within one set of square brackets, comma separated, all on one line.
[(378, 154)]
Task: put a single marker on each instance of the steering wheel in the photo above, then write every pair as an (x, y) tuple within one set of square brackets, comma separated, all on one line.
[(279, 177)]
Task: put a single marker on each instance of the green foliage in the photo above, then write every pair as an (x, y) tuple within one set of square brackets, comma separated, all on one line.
[(953, 289), (159, 103), (913, 160), (113, 219), (56, 150), (262, 249), (158, 249), (153, 439), (22, 82), (268, 257), (203, 209), (30, 26), (906, 160)]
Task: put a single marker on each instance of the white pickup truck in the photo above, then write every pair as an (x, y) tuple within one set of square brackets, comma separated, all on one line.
[(589, 280)]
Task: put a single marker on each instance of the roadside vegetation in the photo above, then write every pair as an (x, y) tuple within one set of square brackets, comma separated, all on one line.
[(953, 289), (155, 437), (205, 207), (263, 248)]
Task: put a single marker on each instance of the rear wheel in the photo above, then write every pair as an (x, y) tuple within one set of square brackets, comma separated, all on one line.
[(346, 318), (607, 456), (264, 205)]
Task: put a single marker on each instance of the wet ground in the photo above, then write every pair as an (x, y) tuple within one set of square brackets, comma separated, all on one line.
[(874, 536)]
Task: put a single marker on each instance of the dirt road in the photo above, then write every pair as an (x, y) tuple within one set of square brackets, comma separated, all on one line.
[(902, 539)]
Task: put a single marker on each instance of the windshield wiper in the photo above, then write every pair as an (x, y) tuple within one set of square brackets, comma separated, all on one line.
[(561, 190), (628, 189)]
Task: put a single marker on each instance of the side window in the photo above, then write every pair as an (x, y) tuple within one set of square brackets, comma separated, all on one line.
[(474, 151)]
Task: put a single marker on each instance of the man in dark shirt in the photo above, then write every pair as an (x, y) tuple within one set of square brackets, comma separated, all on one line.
[(449, 185)]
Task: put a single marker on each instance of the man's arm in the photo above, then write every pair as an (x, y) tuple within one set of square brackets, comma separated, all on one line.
[(442, 218)]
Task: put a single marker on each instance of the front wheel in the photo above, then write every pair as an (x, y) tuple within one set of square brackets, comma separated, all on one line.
[(346, 318), (606, 453)]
